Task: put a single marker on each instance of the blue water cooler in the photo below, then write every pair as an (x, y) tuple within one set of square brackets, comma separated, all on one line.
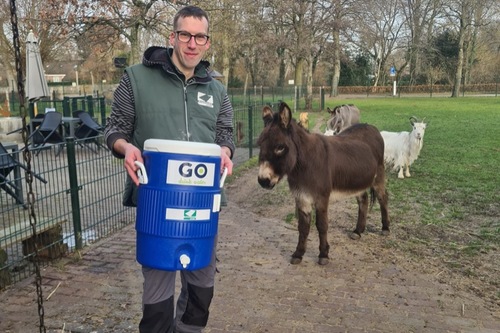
[(178, 204)]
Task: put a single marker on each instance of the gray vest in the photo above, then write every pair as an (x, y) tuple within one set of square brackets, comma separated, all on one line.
[(166, 108)]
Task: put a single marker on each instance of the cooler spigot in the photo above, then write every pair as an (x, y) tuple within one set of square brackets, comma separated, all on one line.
[(185, 260)]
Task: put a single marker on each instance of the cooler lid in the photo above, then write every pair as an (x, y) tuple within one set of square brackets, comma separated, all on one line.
[(182, 147)]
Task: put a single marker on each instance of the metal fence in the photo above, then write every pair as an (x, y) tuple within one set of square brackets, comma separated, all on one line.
[(82, 199), (97, 107), (288, 92), (248, 124), (79, 204)]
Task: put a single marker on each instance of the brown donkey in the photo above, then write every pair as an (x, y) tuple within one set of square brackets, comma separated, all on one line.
[(317, 166)]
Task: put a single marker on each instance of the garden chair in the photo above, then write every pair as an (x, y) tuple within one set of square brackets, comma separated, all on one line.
[(7, 164), (88, 131), (34, 124), (47, 132)]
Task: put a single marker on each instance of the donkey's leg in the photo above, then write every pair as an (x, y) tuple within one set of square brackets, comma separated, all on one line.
[(383, 200), (322, 226), (304, 210), (362, 212)]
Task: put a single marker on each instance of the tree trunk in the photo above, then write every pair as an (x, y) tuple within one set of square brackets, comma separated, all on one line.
[(245, 88), (226, 64), (336, 64), (412, 52), (309, 78), (282, 67), (378, 72), (299, 70), (135, 52), (460, 63)]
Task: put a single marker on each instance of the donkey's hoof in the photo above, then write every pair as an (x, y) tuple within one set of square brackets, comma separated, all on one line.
[(323, 261), (354, 235), (295, 261), (386, 232)]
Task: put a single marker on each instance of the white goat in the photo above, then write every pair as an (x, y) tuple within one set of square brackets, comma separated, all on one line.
[(329, 132), (342, 116), (402, 148)]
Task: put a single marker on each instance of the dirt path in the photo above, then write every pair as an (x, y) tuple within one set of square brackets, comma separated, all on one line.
[(370, 285), (366, 287)]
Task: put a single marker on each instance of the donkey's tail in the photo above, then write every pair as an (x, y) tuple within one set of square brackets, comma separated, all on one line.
[(373, 197)]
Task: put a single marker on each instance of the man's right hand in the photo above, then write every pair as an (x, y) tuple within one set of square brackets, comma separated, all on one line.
[(132, 154)]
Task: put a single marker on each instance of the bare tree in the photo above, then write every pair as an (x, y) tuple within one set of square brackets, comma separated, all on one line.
[(465, 16), (305, 27), (420, 15), (337, 21), (263, 41), (460, 12), (376, 30), (129, 18), (32, 15)]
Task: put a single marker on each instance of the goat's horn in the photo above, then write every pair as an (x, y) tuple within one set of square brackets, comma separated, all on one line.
[(413, 119)]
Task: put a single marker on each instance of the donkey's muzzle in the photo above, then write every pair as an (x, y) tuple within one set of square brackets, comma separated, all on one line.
[(266, 183)]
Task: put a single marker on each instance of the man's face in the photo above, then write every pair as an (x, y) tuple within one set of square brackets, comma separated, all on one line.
[(188, 54)]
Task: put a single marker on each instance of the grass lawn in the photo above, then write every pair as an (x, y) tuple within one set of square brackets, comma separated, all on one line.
[(457, 172), (449, 210), (451, 204)]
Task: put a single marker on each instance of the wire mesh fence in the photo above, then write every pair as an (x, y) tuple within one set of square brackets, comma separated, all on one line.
[(81, 201), (79, 204)]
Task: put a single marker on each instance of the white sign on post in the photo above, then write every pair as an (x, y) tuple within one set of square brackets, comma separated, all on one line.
[(392, 73)]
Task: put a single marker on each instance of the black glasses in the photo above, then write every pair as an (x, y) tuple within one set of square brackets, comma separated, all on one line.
[(185, 37)]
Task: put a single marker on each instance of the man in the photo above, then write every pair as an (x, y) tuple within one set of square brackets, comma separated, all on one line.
[(171, 95)]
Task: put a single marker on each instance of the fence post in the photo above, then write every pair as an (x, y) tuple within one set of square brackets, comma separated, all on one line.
[(295, 99), (31, 110), (65, 105), (102, 107), (90, 105), (322, 98), (73, 191), (74, 104), (12, 107), (250, 131)]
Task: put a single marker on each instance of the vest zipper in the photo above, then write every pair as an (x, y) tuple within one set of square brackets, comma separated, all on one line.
[(186, 113)]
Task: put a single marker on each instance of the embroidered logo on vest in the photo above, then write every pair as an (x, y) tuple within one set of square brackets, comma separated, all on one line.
[(205, 100)]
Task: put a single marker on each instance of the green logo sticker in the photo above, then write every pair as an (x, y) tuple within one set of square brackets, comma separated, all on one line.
[(189, 214)]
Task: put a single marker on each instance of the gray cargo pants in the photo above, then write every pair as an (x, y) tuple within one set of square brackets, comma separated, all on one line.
[(191, 313)]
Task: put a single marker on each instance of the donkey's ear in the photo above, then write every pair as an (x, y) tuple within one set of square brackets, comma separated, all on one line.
[(329, 110), (267, 115), (285, 115)]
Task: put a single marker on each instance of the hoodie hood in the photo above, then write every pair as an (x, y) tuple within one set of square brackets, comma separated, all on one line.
[(161, 56)]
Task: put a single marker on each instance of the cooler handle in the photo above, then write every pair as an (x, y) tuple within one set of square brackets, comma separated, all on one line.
[(223, 178), (141, 173)]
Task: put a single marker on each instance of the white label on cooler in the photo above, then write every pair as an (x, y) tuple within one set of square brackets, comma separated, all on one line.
[(190, 173), (188, 214)]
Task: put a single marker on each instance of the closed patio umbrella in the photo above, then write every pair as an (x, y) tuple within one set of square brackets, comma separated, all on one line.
[(36, 84)]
